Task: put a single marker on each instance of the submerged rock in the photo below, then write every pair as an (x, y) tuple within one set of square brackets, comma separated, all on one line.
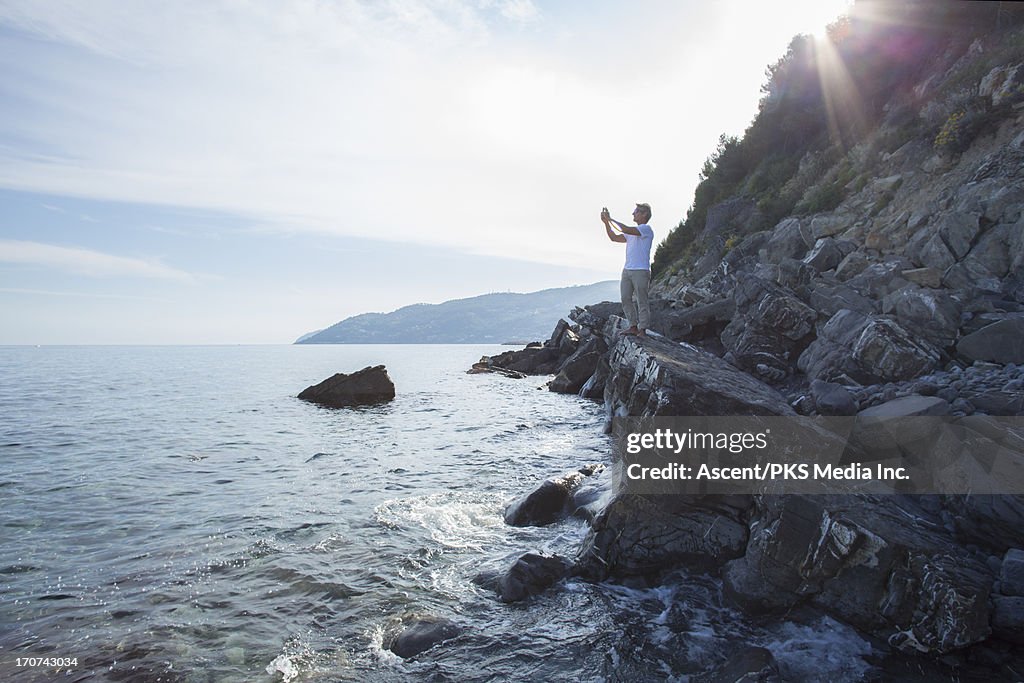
[(366, 387), (422, 633), (531, 574), (748, 665), (550, 502)]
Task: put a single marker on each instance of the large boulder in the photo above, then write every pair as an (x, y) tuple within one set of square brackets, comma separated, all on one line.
[(653, 377), (1001, 342), (882, 564), (579, 367), (943, 244), (878, 280), (770, 329), (832, 399), (991, 521), (696, 322), (534, 359), (366, 387), (549, 502), (866, 349), (926, 313), (828, 297), (529, 575), (789, 239), (1011, 574), (853, 264), (639, 536), (825, 255)]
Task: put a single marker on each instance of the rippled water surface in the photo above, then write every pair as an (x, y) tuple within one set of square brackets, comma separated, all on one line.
[(176, 514)]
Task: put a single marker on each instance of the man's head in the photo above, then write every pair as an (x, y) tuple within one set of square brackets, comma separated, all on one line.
[(642, 213)]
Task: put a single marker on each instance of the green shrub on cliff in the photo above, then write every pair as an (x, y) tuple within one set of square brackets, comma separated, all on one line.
[(785, 161)]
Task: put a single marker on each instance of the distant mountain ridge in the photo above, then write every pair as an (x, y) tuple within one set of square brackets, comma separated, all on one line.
[(485, 319)]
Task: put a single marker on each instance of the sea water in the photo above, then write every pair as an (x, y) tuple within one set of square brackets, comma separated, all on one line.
[(177, 514)]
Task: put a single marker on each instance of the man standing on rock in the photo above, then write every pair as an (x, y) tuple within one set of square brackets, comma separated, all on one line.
[(636, 275)]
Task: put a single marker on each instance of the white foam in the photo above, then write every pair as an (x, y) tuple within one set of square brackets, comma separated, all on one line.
[(826, 649), (456, 520), (283, 664)]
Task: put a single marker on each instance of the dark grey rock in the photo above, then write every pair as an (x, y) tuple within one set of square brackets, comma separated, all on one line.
[(933, 315), (654, 377), (926, 277), (995, 401), (530, 575), (575, 373), (958, 230), (995, 250), (1011, 574), (829, 297), (713, 248), (548, 503), (789, 239), (535, 359), (828, 224), (635, 536), (368, 386), (593, 388), (825, 255), (853, 264), (908, 406), (748, 665), (970, 276), (990, 521), (770, 329), (595, 316), (1004, 203), (587, 499), (1001, 342), (696, 322), (579, 367), (869, 349), (561, 329), (832, 399), (881, 564), (789, 273), (880, 279), (422, 634), (1008, 618)]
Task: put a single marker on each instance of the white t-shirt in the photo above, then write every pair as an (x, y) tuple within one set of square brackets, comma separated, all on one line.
[(638, 248)]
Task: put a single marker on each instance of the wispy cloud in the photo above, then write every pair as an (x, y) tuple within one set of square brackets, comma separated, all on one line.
[(82, 295), (523, 11), (86, 261), (423, 121)]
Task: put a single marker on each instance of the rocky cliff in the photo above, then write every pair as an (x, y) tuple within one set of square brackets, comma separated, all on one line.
[(905, 297)]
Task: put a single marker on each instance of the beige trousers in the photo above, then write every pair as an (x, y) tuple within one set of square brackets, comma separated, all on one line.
[(635, 283)]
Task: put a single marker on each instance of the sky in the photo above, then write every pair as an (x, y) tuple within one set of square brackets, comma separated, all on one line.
[(247, 171)]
